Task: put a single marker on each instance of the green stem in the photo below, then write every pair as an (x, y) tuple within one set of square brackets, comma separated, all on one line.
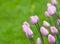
[(51, 21), (58, 40), (38, 27), (32, 41), (49, 30)]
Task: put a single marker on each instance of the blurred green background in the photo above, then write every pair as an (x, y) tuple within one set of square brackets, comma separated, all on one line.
[(12, 15)]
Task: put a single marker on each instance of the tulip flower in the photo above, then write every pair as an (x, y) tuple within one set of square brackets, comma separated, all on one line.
[(37, 17), (29, 33), (26, 23), (47, 14), (54, 2), (51, 39), (48, 5), (46, 24), (44, 31), (58, 22), (34, 19), (25, 28), (51, 9), (54, 30), (39, 41)]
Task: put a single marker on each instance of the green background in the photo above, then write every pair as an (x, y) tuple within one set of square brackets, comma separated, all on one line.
[(12, 15)]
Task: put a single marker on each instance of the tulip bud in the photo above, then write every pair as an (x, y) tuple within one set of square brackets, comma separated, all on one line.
[(29, 33), (51, 39), (26, 23), (54, 2), (46, 24), (58, 22), (34, 19), (47, 14), (37, 17), (51, 9), (53, 30), (39, 41), (48, 5), (25, 28), (44, 31)]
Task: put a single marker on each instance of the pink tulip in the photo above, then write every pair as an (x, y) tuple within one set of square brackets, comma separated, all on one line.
[(47, 14), (46, 24), (37, 17), (49, 5), (51, 9), (25, 28), (29, 33), (34, 19), (44, 31), (39, 41), (58, 22), (54, 2), (51, 39), (26, 23), (53, 30)]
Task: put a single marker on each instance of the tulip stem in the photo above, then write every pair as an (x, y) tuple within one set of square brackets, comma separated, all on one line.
[(49, 30), (37, 26), (58, 39), (42, 38), (51, 21), (32, 41)]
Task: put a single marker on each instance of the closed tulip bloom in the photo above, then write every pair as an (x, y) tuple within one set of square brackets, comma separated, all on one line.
[(25, 28), (26, 23), (54, 2), (39, 41), (46, 24), (37, 17), (47, 14), (49, 5), (51, 39), (34, 19), (29, 33), (51, 9), (58, 22), (44, 31), (54, 30)]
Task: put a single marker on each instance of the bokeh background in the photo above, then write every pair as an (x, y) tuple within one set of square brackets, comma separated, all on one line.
[(12, 15)]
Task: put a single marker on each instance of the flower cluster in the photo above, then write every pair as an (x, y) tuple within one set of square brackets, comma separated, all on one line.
[(47, 29)]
